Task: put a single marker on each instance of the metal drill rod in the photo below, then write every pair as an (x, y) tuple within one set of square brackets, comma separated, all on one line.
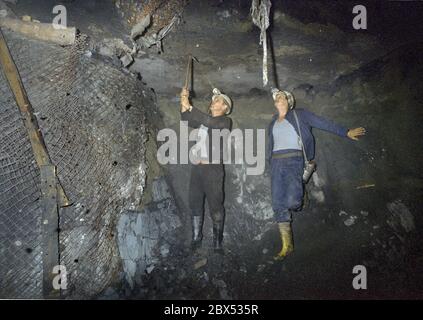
[(188, 74)]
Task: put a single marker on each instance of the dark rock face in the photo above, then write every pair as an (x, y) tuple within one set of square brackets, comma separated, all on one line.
[(98, 146), (359, 189), (145, 236)]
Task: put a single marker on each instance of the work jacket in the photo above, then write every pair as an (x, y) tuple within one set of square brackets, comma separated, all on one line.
[(307, 121), (196, 119)]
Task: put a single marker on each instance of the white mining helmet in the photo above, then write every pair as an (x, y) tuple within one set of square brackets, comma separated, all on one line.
[(217, 94), (288, 95)]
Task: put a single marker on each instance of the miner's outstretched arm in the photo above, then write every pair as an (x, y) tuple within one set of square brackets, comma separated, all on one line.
[(324, 124)]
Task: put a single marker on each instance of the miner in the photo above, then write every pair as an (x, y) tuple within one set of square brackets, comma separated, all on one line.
[(207, 174), (291, 150)]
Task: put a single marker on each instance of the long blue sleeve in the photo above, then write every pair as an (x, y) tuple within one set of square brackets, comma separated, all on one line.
[(322, 123)]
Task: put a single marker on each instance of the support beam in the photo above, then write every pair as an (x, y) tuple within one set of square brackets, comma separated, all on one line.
[(40, 31), (37, 141), (50, 229)]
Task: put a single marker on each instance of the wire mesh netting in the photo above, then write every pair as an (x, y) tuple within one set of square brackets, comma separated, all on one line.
[(92, 116)]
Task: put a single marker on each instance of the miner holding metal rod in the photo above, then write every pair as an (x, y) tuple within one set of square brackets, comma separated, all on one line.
[(291, 148), (207, 174)]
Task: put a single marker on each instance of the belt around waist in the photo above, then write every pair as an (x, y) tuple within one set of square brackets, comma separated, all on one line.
[(287, 155)]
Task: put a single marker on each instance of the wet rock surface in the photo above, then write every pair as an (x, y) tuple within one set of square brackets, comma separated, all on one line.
[(145, 236), (97, 143)]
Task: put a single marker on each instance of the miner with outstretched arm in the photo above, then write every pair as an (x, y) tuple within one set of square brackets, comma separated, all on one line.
[(291, 147), (207, 174)]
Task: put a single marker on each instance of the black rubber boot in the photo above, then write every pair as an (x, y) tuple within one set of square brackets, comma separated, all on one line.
[(197, 232), (218, 236)]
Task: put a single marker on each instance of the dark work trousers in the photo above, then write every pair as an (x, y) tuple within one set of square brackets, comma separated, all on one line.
[(287, 187), (207, 181)]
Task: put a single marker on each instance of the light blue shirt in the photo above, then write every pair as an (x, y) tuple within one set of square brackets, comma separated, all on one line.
[(285, 136)]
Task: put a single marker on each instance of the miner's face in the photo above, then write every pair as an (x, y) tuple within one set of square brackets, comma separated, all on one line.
[(218, 107), (281, 104)]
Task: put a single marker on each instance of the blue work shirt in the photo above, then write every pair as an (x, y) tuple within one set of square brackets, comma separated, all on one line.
[(307, 120), (285, 136)]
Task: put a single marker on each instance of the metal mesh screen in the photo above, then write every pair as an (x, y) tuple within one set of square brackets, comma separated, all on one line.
[(92, 116)]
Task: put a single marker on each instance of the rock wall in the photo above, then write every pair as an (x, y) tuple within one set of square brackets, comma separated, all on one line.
[(359, 189), (92, 116)]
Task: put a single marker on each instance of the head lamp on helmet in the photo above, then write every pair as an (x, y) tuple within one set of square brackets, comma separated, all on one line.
[(288, 95), (228, 101)]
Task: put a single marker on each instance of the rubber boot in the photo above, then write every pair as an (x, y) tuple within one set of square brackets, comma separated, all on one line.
[(197, 232), (286, 237), (218, 237)]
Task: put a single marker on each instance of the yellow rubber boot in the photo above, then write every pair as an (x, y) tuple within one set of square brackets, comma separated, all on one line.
[(287, 244)]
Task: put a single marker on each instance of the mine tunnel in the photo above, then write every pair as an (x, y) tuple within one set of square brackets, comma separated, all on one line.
[(87, 87)]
